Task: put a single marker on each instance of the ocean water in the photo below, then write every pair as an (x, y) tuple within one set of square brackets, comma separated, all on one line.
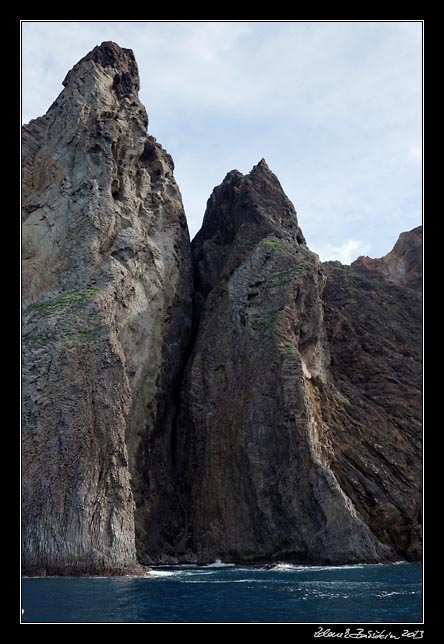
[(217, 593)]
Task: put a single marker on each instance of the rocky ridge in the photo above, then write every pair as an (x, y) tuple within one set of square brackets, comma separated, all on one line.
[(403, 264), (285, 425)]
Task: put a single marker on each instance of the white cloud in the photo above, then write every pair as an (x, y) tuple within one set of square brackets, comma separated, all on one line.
[(335, 108), (346, 253), (414, 153)]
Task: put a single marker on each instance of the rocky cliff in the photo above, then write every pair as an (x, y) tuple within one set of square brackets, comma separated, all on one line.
[(403, 264), (277, 418), (107, 284), (373, 327), (300, 419)]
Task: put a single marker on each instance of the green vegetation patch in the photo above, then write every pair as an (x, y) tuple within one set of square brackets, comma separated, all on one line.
[(274, 242), (265, 324), (287, 348), (303, 264), (71, 299), (77, 325), (280, 279), (268, 317), (343, 399), (37, 337)]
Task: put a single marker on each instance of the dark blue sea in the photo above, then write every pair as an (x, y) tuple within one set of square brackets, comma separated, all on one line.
[(189, 594)]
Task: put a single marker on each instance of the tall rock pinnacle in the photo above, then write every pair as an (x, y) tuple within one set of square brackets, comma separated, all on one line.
[(107, 286), (262, 411)]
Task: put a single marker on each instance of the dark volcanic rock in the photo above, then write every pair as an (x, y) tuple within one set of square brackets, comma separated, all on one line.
[(373, 327), (256, 437), (107, 288), (245, 208), (403, 264), (287, 428)]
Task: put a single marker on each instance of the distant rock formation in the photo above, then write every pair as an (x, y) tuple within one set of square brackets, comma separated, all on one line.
[(232, 400), (403, 264)]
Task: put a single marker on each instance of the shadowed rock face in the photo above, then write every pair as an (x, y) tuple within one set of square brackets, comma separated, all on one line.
[(268, 437), (287, 425), (373, 324), (107, 285)]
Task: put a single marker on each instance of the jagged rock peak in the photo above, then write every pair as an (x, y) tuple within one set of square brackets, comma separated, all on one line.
[(403, 264), (110, 55), (261, 166), (241, 212), (256, 201)]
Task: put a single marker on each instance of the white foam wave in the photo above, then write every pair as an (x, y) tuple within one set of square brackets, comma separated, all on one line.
[(218, 564), (402, 592), (160, 573), (399, 563), (222, 581), (288, 567)]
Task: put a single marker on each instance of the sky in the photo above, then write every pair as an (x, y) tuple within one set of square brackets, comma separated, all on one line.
[(335, 108)]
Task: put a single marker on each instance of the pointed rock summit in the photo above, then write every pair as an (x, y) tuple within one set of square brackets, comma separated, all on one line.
[(241, 211), (113, 61), (255, 202)]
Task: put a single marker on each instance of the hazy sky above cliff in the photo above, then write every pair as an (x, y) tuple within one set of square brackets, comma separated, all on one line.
[(335, 108)]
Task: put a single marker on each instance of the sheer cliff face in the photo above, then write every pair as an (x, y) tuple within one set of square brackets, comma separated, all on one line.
[(287, 425), (267, 433), (107, 284), (373, 326)]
